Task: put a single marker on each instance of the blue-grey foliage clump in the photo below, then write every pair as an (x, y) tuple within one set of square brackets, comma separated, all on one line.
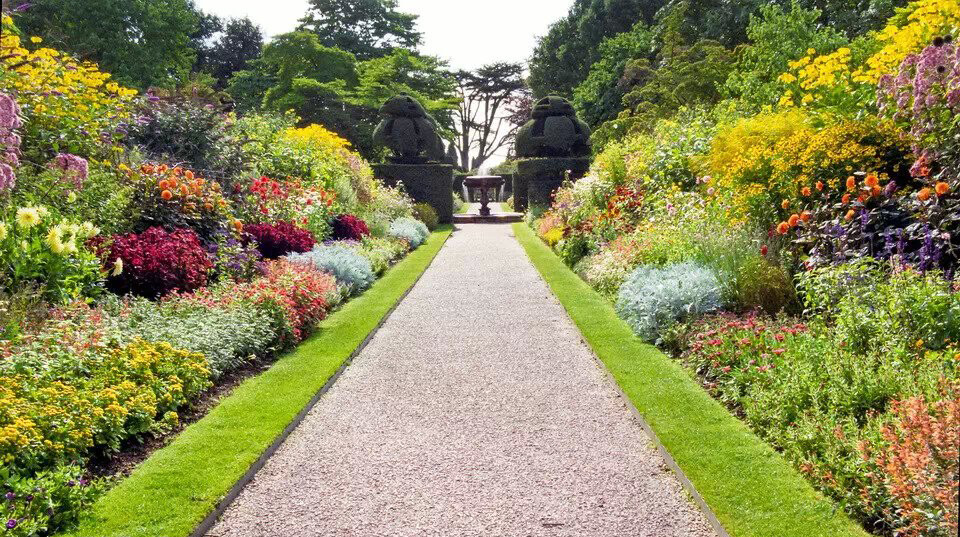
[(652, 299), (351, 269), (412, 230)]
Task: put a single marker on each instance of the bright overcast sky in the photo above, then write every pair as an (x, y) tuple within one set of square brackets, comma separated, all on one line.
[(467, 34)]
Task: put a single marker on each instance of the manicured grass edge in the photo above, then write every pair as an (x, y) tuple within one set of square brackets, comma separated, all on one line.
[(173, 492), (752, 490)]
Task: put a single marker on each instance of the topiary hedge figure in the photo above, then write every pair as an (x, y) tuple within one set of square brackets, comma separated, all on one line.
[(553, 131), (409, 132)]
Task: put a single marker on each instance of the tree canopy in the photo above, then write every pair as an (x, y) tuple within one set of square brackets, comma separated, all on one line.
[(142, 43), (562, 58), (365, 28), (484, 118), (240, 41)]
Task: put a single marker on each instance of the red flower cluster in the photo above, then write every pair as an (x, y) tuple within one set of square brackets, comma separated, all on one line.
[(349, 227), (157, 262), (281, 200), (298, 294), (279, 239), (724, 347)]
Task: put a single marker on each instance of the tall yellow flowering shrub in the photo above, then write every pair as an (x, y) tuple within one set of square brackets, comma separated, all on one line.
[(846, 79), (69, 106), (739, 168)]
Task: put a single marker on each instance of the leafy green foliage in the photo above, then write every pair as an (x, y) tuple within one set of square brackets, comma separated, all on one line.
[(241, 42), (691, 76), (141, 42), (599, 97), (777, 37), (327, 85), (562, 58), (365, 28)]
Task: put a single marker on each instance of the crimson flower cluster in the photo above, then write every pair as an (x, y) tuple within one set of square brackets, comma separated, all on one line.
[(279, 239), (349, 227), (157, 262)]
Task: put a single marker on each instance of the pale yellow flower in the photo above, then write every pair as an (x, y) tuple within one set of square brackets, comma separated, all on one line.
[(117, 267), (27, 217), (55, 240), (3, 231)]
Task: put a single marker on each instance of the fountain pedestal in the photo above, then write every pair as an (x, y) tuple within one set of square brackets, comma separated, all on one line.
[(484, 183)]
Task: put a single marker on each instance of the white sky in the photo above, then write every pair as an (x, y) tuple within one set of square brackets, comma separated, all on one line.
[(466, 33)]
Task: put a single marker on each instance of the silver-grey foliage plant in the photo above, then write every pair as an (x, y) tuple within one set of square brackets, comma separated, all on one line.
[(412, 230), (352, 270), (652, 299)]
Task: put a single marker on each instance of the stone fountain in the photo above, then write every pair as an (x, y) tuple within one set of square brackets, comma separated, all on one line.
[(484, 183)]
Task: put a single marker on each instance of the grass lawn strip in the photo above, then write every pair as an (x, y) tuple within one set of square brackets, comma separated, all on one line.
[(752, 490), (178, 486)]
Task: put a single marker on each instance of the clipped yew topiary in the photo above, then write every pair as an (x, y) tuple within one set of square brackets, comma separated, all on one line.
[(409, 132), (554, 130)]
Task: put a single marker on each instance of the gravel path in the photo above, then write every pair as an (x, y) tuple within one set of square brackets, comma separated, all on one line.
[(476, 410)]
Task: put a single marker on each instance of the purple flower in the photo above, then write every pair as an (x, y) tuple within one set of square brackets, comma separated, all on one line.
[(11, 524), (10, 496), (75, 169)]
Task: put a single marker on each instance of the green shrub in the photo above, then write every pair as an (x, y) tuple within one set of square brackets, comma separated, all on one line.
[(426, 214), (877, 311), (28, 500), (814, 398), (226, 335)]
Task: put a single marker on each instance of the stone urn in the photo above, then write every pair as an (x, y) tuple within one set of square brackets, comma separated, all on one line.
[(408, 132)]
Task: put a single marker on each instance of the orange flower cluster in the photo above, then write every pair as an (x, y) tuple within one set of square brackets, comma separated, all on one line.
[(195, 193), (869, 188)]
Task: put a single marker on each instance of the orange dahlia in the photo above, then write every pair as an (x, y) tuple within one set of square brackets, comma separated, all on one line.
[(850, 214), (924, 194), (166, 194), (794, 220), (783, 228), (872, 180), (942, 188), (851, 182)]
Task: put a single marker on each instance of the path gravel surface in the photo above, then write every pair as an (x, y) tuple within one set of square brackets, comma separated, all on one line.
[(476, 410)]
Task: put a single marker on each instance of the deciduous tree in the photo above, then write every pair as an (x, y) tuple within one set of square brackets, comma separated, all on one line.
[(365, 28), (483, 119)]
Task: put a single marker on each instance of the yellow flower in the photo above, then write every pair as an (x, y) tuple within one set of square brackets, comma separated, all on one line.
[(787, 78), (55, 240), (87, 229), (3, 231), (27, 217), (36, 39), (117, 267)]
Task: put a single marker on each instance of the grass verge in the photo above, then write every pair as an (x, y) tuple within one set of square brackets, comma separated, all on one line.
[(173, 490), (752, 490)]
